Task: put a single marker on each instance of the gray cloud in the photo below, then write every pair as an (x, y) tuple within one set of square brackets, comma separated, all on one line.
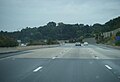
[(18, 14)]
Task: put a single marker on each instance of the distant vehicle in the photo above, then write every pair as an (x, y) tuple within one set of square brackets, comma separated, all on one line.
[(23, 45), (85, 43), (77, 44)]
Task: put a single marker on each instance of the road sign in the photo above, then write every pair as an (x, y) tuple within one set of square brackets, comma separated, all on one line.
[(118, 38)]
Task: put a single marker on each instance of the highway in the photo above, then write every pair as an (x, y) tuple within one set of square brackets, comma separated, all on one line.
[(66, 63)]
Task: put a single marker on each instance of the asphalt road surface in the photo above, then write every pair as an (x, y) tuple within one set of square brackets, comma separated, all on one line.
[(67, 63)]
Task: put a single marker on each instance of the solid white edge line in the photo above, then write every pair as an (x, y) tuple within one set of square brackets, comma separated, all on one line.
[(108, 66), (37, 69)]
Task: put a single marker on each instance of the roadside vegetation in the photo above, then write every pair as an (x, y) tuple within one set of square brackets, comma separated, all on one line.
[(6, 41), (111, 39), (117, 42), (43, 42), (51, 33)]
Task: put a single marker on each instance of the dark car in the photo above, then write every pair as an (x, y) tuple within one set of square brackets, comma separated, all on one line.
[(77, 44)]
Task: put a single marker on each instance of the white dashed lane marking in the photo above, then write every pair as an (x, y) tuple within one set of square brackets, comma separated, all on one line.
[(37, 69), (53, 57), (107, 66), (96, 57)]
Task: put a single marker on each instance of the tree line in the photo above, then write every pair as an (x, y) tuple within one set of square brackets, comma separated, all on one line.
[(61, 31)]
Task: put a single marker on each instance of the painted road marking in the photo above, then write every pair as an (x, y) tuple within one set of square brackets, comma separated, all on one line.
[(108, 66), (119, 77), (37, 69), (96, 57), (53, 57)]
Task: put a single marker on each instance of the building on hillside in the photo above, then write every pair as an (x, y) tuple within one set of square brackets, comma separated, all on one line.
[(111, 33)]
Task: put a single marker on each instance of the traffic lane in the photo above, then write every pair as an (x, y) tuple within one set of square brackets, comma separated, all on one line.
[(73, 70), (74, 51), (42, 52), (45, 53), (82, 52), (21, 64), (13, 69), (108, 52), (114, 66)]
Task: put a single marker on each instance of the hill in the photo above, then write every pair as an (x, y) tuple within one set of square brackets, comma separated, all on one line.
[(62, 31)]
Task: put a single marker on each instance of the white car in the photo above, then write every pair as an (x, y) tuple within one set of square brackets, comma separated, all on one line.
[(85, 43)]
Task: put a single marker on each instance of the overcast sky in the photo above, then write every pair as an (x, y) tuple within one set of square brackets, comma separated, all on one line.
[(18, 14)]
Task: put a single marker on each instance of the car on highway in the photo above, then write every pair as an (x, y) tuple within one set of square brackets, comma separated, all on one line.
[(77, 44), (59, 40), (85, 43)]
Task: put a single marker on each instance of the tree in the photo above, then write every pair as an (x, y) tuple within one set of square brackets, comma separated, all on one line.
[(51, 24), (6, 41), (63, 31)]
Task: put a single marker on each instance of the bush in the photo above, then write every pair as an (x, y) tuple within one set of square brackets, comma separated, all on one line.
[(6, 41), (118, 33), (50, 42), (40, 42), (117, 43), (36, 43)]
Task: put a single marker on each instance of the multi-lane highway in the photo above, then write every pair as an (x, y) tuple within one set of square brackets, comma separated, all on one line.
[(66, 63)]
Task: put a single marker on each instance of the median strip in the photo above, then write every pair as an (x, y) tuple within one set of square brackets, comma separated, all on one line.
[(7, 52), (37, 69)]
